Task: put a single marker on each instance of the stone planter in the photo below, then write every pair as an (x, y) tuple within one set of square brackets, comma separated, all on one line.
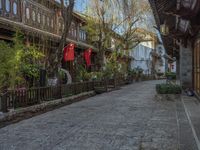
[(100, 90), (167, 97)]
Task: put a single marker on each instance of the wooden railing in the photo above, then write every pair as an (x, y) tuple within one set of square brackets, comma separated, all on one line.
[(26, 97), (13, 99)]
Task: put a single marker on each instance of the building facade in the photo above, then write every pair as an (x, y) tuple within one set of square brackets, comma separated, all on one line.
[(178, 21), (42, 25), (148, 55), (142, 57)]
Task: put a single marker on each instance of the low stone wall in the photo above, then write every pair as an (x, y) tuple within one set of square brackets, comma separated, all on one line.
[(167, 97), (22, 112)]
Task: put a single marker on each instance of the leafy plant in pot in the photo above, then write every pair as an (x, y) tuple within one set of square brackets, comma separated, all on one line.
[(168, 89)]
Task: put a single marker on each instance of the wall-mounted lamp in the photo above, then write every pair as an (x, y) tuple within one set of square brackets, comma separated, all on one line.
[(164, 29)]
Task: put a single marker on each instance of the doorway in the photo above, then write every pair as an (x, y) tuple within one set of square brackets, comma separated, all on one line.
[(197, 67)]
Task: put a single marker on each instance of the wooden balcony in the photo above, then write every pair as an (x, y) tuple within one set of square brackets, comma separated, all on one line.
[(34, 15)]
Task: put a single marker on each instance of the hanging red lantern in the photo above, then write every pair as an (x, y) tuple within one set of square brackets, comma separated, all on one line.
[(87, 56), (68, 53)]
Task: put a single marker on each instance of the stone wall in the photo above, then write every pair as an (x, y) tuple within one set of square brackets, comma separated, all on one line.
[(186, 66)]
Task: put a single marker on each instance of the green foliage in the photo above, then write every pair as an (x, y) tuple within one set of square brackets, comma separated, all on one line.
[(6, 63), (139, 70), (132, 72), (168, 89), (114, 66), (80, 73), (96, 75), (83, 75), (92, 30), (29, 59), (171, 75), (61, 74), (160, 74), (18, 62)]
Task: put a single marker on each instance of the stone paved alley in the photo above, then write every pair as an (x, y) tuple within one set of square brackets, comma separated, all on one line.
[(126, 119)]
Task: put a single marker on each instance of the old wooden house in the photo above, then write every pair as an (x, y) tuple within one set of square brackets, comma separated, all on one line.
[(42, 25), (179, 23)]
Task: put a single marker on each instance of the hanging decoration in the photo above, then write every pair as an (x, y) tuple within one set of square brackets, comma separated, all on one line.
[(87, 56), (164, 29), (68, 53)]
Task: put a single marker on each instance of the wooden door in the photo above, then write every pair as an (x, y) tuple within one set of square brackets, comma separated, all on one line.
[(197, 67)]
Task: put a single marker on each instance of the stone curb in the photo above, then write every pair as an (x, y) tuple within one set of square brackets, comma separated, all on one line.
[(191, 124)]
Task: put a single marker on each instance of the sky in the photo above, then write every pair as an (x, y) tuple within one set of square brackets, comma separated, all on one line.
[(80, 5)]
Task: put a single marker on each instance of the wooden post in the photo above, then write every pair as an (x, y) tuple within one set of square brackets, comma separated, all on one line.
[(93, 85), (60, 91), (38, 93), (75, 86), (106, 84), (115, 81), (4, 107)]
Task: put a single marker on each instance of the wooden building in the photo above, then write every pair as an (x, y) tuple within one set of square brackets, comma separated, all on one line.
[(42, 24), (179, 22)]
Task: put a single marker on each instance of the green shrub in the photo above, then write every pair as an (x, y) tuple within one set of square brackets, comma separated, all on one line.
[(168, 89), (171, 75), (132, 72), (19, 63), (160, 74)]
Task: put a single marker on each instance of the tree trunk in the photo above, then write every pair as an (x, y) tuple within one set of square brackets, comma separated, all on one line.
[(56, 56)]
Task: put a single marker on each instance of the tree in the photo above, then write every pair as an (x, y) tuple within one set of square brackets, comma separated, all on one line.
[(18, 62), (56, 56), (5, 63), (115, 19)]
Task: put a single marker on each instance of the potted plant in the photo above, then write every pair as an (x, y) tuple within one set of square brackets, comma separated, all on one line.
[(170, 75), (139, 72), (168, 91)]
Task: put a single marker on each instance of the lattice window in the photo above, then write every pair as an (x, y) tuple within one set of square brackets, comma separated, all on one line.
[(39, 17), (48, 21), (43, 20), (27, 13), (33, 16), (15, 8), (8, 5), (1, 6), (52, 22)]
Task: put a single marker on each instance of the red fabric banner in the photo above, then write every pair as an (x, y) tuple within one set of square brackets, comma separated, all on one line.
[(87, 56), (68, 53)]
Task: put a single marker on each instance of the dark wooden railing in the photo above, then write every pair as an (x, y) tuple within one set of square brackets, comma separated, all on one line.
[(26, 97), (13, 99)]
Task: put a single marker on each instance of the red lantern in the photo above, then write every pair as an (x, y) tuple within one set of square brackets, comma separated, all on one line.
[(87, 56), (68, 53)]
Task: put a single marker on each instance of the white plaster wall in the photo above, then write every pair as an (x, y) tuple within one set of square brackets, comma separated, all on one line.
[(142, 58)]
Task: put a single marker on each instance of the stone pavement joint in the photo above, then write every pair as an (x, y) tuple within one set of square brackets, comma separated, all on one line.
[(127, 119)]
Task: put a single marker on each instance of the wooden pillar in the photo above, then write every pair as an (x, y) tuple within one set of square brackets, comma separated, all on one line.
[(4, 103)]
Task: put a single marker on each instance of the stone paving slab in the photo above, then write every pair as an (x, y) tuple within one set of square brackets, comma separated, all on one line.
[(126, 119)]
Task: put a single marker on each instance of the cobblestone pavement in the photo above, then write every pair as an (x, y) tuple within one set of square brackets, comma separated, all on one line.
[(126, 119)]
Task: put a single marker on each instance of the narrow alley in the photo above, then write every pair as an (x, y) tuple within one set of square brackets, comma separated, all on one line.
[(126, 119)]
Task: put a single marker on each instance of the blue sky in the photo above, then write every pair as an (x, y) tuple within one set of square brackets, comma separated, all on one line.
[(80, 5)]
